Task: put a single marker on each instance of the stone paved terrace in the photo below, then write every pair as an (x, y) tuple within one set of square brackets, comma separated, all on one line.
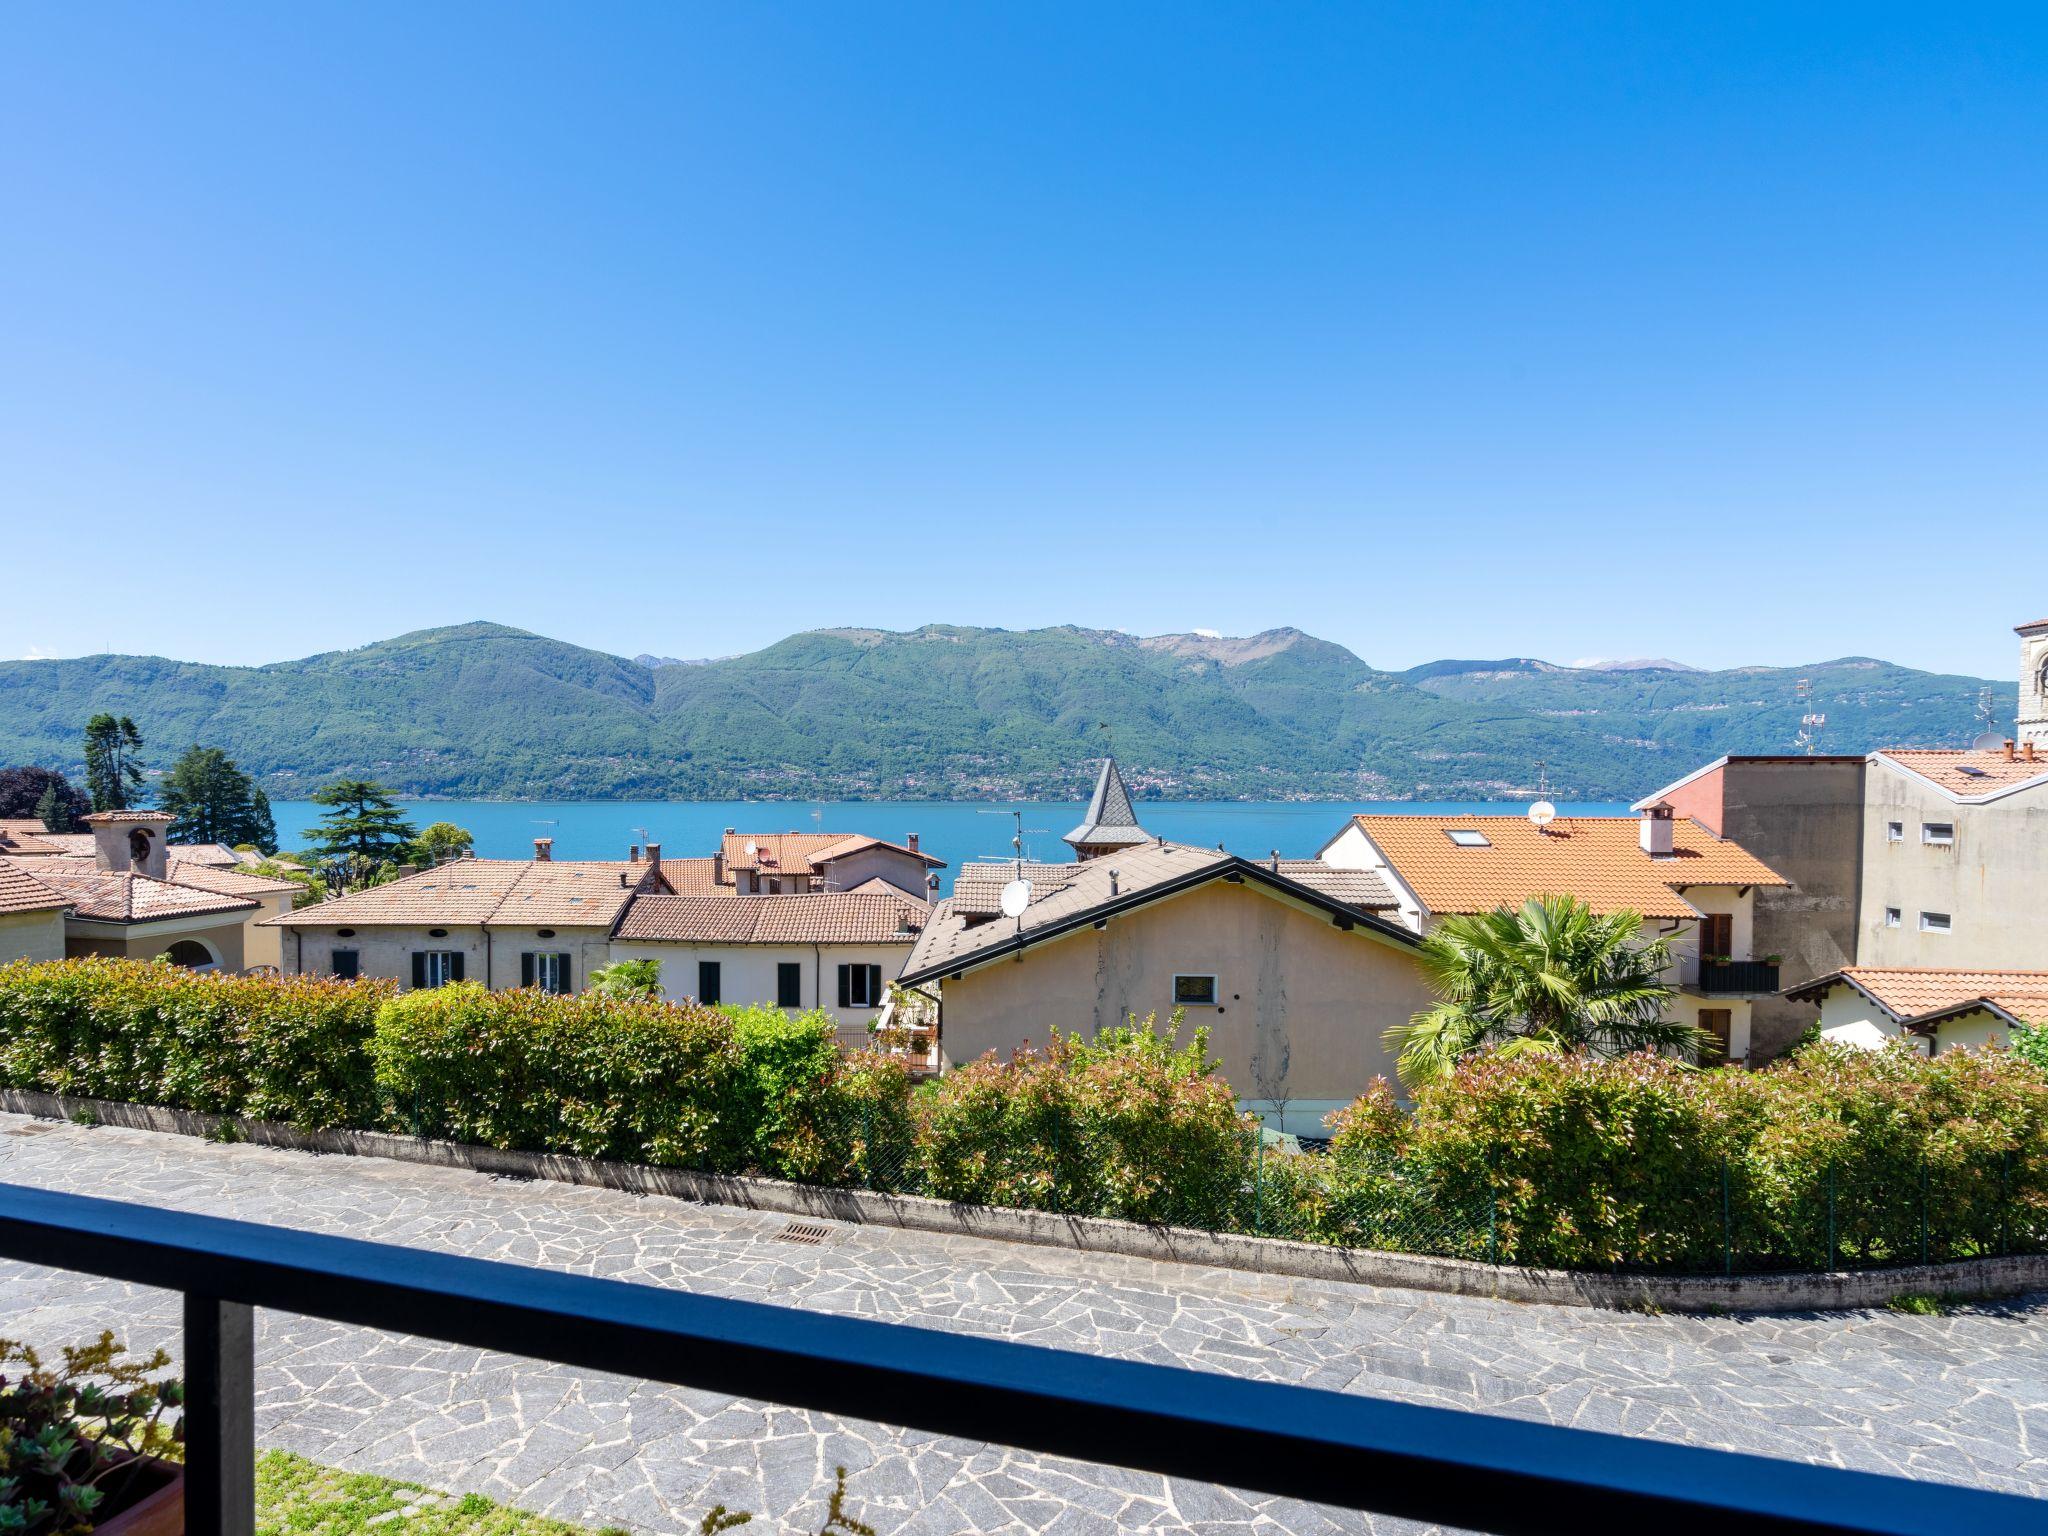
[(1962, 1397)]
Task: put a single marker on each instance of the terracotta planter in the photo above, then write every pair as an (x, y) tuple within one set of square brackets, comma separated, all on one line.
[(154, 1504)]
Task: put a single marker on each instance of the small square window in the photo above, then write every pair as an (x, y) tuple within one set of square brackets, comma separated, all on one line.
[(1895, 831), (1468, 837), (1938, 834), (1194, 991), (1892, 917), (1934, 922)]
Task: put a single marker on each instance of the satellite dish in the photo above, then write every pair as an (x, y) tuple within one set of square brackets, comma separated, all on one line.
[(1990, 741), (1015, 898), (1542, 814), (752, 849)]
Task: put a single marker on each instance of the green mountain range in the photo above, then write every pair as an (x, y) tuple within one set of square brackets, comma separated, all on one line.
[(943, 712)]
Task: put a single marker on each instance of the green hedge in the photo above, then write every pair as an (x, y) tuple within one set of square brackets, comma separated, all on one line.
[(1836, 1157)]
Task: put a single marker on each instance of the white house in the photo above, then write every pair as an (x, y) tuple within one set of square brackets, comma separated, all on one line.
[(1939, 1010)]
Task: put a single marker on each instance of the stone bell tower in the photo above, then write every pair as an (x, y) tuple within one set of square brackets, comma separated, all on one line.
[(2033, 720), (131, 840)]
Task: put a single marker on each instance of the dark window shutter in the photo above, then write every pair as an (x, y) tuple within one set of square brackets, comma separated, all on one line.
[(707, 981), (419, 968), (874, 986), (562, 983), (348, 964), (789, 984), (526, 968), (455, 965), (845, 985)]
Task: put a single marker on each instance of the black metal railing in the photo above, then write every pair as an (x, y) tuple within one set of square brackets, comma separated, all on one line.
[(1443, 1465), (1724, 977)]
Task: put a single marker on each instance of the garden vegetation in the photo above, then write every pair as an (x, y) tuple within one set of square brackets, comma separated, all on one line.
[(1834, 1157)]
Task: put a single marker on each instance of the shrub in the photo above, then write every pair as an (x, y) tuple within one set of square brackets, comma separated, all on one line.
[(787, 1059), (623, 1078)]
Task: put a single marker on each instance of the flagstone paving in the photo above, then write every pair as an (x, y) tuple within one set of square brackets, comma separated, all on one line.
[(1961, 1397)]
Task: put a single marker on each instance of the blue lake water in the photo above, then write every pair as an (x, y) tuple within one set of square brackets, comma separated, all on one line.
[(950, 830)]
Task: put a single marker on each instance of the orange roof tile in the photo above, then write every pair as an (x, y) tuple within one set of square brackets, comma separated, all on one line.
[(125, 897), (841, 917), (776, 853), (22, 892), (693, 877), (1912, 994), (859, 841), (1598, 859), (1967, 774), (567, 893)]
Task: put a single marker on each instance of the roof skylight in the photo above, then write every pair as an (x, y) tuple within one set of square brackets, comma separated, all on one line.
[(1468, 837)]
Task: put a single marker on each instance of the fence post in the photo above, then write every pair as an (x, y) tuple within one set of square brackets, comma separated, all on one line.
[(1923, 1207), (1259, 1179), (1831, 1216), (867, 1140), (1493, 1227), (220, 1416), (1727, 1226), (2004, 1201)]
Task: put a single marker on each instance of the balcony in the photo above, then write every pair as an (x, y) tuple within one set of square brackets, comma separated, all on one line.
[(1737, 978)]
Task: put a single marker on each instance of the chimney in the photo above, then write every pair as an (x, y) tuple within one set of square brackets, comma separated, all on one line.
[(633, 854), (1276, 861), (654, 856), (2008, 751), (1112, 882), (543, 850), (1656, 831), (2030, 753), (913, 842)]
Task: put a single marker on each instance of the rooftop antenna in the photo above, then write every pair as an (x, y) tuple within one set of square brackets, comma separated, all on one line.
[(1542, 813), (1989, 738), (1017, 840), (1810, 723), (548, 822)]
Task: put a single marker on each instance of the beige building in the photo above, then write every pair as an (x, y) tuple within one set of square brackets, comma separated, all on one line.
[(1690, 887), (1938, 1010), (1955, 859), (502, 922), (796, 863), (1293, 968), (838, 952), (31, 917)]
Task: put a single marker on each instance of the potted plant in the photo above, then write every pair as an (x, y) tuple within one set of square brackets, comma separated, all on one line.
[(84, 1447), (1774, 959)]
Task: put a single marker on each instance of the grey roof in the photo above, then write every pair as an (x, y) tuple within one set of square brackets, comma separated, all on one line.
[(978, 887), (1110, 820), (958, 937)]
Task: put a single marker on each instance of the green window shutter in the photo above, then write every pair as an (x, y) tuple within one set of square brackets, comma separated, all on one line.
[(845, 986), (874, 986), (419, 968), (563, 984), (789, 984), (526, 968), (455, 965)]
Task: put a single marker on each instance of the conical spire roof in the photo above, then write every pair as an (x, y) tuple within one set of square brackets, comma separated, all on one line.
[(1110, 822)]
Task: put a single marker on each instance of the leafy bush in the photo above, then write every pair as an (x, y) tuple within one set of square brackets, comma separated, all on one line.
[(624, 1078), (293, 1049)]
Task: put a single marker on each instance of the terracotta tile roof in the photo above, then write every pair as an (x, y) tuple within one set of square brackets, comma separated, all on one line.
[(226, 882), (840, 917), (25, 835), (1911, 994), (1354, 887), (126, 897), (1598, 859), (22, 892), (979, 884), (957, 936), (566, 893), (218, 855), (123, 818), (81, 845), (858, 841), (692, 877), (776, 853), (1967, 774)]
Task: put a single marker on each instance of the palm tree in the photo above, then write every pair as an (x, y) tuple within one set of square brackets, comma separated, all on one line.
[(1553, 976)]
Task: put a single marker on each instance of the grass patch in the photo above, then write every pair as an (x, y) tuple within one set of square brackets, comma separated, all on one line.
[(1918, 1304), (297, 1497)]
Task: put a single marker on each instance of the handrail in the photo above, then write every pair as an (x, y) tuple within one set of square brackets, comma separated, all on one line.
[(1432, 1464)]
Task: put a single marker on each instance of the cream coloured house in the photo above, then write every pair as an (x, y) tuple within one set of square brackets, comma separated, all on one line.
[(1937, 1010), (1688, 886), (1295, 969), (31, 916)]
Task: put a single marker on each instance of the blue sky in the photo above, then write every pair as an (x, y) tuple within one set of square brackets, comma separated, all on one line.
[(1719, 332)]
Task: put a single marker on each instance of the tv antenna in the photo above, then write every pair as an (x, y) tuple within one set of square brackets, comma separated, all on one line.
[(1542, 813), (1017, 841), (1808, 738)]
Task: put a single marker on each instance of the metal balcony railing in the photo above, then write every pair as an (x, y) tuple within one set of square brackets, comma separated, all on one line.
[(1737, 977), (1462, 1469)]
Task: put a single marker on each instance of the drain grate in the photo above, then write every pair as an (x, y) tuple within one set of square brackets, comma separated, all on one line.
[(804, 1232)]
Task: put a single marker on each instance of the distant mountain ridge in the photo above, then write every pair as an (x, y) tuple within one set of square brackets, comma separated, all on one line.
[(956, 712)]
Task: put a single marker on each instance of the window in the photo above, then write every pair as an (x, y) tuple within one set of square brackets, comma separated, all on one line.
[(346, 963), (1892, 917), (1194, 991), (436, 967), (789, 984), (549, 972), (1934, 922), (1938, 834), (708, 989), (1717, 937), (1468, 837), (860, 986), (1895, 831)]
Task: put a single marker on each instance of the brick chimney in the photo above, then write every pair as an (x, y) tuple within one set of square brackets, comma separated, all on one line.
[(654, 857), (1655, 831), (633, 854), (913, 842), (543, 850), (2008, 751), (2029, 750)]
